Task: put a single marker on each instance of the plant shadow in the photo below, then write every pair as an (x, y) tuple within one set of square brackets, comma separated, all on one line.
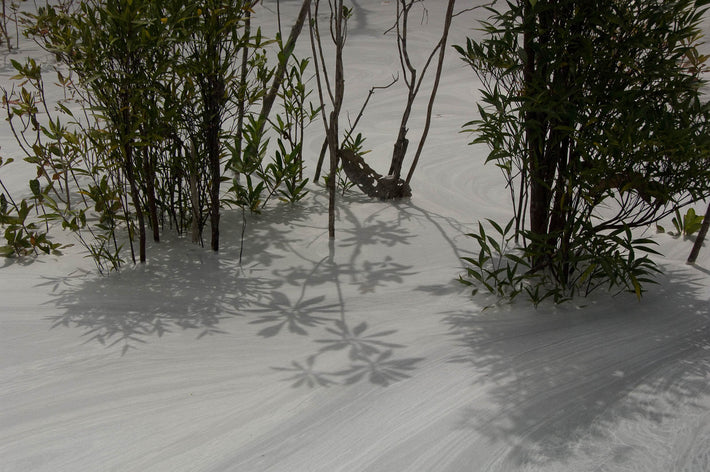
[(284, 279), (564, 379)]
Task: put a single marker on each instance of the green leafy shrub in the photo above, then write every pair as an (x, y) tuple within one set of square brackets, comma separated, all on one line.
[(497, 267), (594, 113), (166, 90), (67, 155)]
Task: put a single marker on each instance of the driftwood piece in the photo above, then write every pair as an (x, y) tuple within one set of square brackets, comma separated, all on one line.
[(370, 182)]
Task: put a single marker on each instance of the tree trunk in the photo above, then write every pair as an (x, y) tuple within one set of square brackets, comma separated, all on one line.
[(333, 141), (149, 170), (196, 225), (213, 151), (243, 72), (400, 150), (128, 150), (214, 96), (135, 196), (541, 157), (333, 150), (195, 231), (538, 205), (321, 158), (700, 238)]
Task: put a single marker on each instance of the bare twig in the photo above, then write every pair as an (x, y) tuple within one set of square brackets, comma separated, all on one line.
[(364, 105)]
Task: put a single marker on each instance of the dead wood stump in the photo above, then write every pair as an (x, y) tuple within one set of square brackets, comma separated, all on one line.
[(370, 182)]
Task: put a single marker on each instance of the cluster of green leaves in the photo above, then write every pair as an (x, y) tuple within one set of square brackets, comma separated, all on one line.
[(615, 260), (260, 175), (497, 267), (65, 153), (685, 225), (595, 115), (22, 236), (298, 113)]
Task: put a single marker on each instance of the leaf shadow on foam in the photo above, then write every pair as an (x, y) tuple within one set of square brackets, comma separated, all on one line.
[(347, 350), (290, 283), (364, 353), (561, 379), (183, 287)]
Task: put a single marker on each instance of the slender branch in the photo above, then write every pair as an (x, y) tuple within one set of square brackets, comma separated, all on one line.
[(316, 41), (281, 68), (405, 62), (430, 106), (364, 105)]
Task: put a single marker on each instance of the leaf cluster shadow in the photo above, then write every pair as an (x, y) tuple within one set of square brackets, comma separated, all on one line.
[(364, 353)]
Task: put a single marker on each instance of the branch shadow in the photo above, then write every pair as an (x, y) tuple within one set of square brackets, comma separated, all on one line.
[(563, 379)]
